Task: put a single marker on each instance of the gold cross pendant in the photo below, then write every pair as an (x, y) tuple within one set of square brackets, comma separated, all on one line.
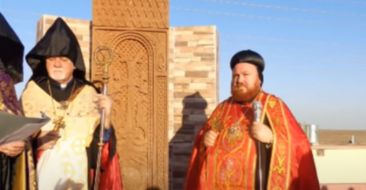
[(59, 123), (64, 105)]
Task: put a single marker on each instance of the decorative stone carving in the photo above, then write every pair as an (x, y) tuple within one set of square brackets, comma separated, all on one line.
[(136, 31), (148, 14)]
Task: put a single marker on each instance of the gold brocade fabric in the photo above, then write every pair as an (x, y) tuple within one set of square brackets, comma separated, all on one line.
[(2, 106), (65, 165)]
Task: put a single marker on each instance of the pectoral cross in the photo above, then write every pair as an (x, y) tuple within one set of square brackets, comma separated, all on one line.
[(59, 123), (64, 105)]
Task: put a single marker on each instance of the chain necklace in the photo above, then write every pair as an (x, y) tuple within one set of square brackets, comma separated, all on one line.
[(59, 120)]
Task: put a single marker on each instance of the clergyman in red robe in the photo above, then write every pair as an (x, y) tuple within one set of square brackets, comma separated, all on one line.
[(229, 145)]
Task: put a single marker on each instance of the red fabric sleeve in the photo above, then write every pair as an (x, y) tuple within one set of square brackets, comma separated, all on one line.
[(110, 178), (303, 171), (193, 172)]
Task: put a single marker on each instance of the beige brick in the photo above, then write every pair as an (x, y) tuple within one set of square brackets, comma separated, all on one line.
[(195, 74)]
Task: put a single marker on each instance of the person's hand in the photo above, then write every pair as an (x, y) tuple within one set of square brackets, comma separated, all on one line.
[(47, 140), (210, 138), (12, 149), (104, 102), (261, 132)]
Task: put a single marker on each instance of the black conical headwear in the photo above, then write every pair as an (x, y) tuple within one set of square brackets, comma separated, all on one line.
[(59, 40), (11, 51)]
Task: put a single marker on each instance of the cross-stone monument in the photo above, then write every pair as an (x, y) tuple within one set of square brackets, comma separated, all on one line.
[(136, 31)]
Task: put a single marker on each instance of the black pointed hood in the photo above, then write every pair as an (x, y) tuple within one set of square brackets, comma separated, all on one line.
[(11, 51), (59, 40)]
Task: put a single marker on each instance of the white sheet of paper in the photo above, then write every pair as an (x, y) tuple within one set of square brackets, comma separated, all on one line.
[(14, 128)]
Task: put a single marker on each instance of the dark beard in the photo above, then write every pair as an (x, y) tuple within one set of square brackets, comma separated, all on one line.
[(239, 96)]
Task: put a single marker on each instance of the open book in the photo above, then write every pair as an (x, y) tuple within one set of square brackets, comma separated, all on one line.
[(15, 128)]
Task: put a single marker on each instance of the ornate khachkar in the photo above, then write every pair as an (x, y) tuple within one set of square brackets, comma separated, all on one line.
[(136, 31)]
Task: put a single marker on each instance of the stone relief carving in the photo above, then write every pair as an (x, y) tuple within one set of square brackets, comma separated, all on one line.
[(137, 32), (131, 13), (138, 86)]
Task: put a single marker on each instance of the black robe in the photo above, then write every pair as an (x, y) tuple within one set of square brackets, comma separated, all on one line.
[(11, 57)]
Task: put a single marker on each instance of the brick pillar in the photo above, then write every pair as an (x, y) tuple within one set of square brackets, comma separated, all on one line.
[(193, 92)]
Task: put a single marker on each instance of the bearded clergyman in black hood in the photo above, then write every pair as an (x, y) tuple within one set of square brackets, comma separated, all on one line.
[(58, 89)]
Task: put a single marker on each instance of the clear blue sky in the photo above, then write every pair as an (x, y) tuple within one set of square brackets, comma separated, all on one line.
[(315, 50)]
